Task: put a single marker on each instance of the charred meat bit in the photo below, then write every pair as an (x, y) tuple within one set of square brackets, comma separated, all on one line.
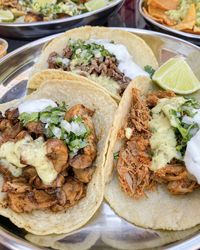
[(57, 152), (67, 52), (5, 172), (58, 182), (52, 61), (177, 179), (5, 123), (37, 128), (171, 173), (12, 114), (16, 187), (84, 175), (11, 132), (84, 159), (27, 202), (74, 190), (153, 98), (31, 17), (181, 187)]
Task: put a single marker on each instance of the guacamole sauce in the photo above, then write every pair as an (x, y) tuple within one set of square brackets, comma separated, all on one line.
[(163, 140), (31, 152)]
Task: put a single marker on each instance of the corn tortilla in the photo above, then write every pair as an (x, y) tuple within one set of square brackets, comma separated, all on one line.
[(160, 209), (46, 222), (138, 49)]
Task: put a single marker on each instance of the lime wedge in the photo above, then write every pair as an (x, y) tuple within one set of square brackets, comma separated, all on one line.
[(6, 16), (176, 75), (95, 4)]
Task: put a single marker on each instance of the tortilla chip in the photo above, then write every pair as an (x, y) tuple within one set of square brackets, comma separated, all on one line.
[(43, 222), (196, 30), (189, 20), (164, 4), (160, 14)]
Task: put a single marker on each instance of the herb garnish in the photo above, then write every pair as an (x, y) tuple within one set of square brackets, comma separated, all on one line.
[(84, 51), (185, 131), (73, 132), (149, 70), (116, 155)]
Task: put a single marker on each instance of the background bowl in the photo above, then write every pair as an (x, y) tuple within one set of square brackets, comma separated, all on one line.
[(41, 29), (163, 28)]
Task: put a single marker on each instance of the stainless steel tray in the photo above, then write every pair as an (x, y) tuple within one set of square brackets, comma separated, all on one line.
[(106, 230), (184, 35), (41, 29)]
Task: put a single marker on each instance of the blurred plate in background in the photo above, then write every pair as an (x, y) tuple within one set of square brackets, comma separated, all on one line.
[(194, 38), (46, 28)]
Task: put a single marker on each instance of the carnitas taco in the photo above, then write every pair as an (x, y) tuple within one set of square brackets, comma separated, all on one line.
[(153, 166), (106, 56), (52, 151)]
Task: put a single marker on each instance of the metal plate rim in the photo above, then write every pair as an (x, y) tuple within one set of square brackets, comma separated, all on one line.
[(139, 31), (163, 27), (6, 237), (63, 20)]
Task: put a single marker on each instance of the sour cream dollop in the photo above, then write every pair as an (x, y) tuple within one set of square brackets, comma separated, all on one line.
[(126, 63), (39, 105), (192, 156)]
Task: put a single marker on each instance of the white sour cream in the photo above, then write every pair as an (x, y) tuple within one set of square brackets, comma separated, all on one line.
[(192, 156), (126, 63), (39, 105), (190, 120)]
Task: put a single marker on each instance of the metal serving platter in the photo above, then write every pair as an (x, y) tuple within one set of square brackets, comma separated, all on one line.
[(106, 230), (41, 29), (163, 28)]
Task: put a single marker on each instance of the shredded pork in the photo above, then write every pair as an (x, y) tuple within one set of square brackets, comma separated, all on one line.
[(134, 161), (133, 164)]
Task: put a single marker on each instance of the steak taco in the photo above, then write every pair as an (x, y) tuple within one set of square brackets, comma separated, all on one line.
[(109, 57), (52, 152), (153, 168)]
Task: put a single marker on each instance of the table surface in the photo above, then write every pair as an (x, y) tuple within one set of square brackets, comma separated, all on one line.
[(128, 16)]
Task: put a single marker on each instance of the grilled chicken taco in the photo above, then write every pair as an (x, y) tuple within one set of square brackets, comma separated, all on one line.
[(109, 57), (154, 152), (52, 152)]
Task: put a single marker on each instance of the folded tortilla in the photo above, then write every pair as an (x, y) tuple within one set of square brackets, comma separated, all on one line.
[(160, 209), (141, 53), (46, 222)]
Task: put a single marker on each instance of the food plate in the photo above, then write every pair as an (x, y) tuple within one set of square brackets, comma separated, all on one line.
[(106, 230), (160, 27), (46, 28)]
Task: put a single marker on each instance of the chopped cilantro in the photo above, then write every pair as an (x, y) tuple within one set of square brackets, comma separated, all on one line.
[(184, 131), (149, 70), (74, 133), (116, 155)]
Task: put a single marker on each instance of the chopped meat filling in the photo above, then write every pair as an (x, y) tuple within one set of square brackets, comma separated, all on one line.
[(27, 192), (133, 164), (108, 66)]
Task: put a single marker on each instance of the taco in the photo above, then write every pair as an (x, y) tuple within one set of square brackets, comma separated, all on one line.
[(152, 161), (52, 152), (107, 56)]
